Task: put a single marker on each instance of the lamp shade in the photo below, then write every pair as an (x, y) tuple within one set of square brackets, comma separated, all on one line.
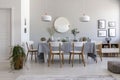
[(46, 18), (85, 18)]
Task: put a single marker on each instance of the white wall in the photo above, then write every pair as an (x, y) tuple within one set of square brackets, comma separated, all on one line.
[(16, 18), (72, 10)]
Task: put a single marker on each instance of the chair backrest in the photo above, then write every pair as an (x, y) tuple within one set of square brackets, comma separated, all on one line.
[(29, 45), (98, 44), (99, 47), (78, 44), (55, 45)]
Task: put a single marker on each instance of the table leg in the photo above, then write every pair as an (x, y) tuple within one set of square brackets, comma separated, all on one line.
[(45, 58)]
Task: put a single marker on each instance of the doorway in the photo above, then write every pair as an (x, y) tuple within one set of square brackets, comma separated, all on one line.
[(5, 33)]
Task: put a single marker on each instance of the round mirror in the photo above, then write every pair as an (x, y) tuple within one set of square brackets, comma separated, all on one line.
[(61, 25)]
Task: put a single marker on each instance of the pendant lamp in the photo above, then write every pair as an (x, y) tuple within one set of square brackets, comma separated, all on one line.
[(85, 18), (46, 17)]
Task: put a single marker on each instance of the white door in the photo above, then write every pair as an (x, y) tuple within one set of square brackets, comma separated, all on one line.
[(5, 33)]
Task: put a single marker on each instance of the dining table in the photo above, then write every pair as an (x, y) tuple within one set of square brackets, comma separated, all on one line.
[(89, 49)]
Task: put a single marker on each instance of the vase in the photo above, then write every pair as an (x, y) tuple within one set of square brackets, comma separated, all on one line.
[(52, 38), (75, 38), (108, 42)]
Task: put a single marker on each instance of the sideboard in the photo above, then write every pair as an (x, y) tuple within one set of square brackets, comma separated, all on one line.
[(111, 49)]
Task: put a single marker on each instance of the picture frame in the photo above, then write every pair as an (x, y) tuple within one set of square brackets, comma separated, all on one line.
[(101, 24), (112, 32), (111, 23), (102, 33)]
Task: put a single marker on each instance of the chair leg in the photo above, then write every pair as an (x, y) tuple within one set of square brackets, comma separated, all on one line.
[(49, 60), (79, 58), (26, 56), (60, 60), (87, 56), (100, 54), (96, 60), (35, 56), (69, 58), (31, 55), (63, 58), (83, 60), (53, 59), (72, 59)]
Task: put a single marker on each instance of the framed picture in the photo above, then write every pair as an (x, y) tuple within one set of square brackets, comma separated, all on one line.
[(101, 24), (102, 33), (111, 23), (112, 32)]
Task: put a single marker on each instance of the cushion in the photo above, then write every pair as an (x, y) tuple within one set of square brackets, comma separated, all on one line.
[(114, 66)]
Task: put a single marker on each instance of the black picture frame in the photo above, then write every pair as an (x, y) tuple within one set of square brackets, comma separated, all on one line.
[(111, 32), (111, 23), (102, 33), (101, 24)]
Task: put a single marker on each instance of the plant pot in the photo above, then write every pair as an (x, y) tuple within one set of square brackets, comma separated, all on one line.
[(84, 39), (19, 63), (75, 39), (108, 42), (18, 57), (52, 38)]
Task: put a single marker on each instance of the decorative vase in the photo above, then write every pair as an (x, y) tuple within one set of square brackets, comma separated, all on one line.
[(75, 38), (108, 39), (108, 42), (52, 38)]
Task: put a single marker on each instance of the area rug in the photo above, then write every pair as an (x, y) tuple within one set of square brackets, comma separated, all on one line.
[(63, 77)]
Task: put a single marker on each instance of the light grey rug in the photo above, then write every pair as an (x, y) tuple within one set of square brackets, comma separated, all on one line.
[(63, 77)]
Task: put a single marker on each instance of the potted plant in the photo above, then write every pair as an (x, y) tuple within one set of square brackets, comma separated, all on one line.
[(18, 57), (108, 39), (64, 40), (84, 39), (43, 39), (51, 32), (74, 32)]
